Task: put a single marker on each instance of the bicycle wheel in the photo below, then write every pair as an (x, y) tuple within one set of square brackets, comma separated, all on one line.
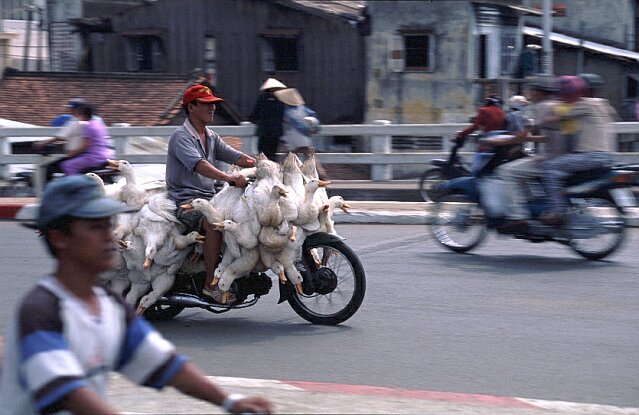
[(429, 179)]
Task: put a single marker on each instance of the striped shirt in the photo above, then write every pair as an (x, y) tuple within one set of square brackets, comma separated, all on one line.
[(55, 346)]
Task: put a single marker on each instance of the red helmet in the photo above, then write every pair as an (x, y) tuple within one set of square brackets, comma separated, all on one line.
[(571, 88)]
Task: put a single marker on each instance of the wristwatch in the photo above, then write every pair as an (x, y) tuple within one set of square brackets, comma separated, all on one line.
[(231, 400)]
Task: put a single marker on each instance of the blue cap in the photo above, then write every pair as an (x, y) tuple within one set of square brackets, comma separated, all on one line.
[(78, 196)]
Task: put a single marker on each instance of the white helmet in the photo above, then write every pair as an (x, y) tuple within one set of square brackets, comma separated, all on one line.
[(517, 101)]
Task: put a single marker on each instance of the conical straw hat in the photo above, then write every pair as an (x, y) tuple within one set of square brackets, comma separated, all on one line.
[(271, 83), (290, 96)]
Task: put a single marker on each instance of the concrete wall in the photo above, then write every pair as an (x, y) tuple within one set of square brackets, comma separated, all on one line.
[(441, 96)]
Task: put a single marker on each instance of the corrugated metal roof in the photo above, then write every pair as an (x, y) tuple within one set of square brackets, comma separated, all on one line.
[(586, 44), (349, 9)]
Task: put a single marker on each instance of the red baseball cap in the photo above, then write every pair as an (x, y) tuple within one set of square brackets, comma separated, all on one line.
[(200, 92)]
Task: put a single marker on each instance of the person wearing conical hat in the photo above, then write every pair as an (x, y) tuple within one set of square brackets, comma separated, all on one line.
[(267, 114), (300, 123)]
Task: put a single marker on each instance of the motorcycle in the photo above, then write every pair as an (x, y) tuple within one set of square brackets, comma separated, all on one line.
[(469, 206), (440, 170), (454, 167), (334, 284), (35, 178)]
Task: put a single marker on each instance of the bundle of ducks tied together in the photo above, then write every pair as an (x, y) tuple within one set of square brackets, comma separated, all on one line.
[(264, 227)]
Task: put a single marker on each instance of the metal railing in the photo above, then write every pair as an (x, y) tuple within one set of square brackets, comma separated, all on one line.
[(377, 139)]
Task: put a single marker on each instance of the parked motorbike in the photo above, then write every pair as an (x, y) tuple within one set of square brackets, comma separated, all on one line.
[(469, 206), (334, 284)]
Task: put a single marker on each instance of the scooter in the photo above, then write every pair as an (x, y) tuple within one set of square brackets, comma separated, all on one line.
[(469, 206), (35, 179)]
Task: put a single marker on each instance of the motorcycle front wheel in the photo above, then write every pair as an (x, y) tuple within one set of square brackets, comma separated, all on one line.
[(338, 285), (603, 225), (429, 179), (458, 223)]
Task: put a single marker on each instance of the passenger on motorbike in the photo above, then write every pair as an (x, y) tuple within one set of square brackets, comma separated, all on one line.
[(585, 125), (87, 142), (489, 118), (540, 91)]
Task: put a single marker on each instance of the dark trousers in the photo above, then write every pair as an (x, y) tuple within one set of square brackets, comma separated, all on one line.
[(268, 146)]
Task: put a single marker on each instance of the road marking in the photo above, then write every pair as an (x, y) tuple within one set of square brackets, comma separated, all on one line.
[(453, 397)]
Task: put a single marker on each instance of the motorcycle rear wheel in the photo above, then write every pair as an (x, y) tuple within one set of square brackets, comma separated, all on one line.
[(340, 284), (611, 224), (458, 223), (162, 312), (429, 179)]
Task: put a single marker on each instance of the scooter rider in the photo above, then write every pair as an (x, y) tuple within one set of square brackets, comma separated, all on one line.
[(490, 117)]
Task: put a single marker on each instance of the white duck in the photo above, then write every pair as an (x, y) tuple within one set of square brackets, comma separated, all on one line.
[(308, 210), (130, 193), (206, 208), (156, 221), (292, 175), (241, 264), (111, 190), (125, 222), (273, 241), (327, 224), (167, 262), (139, 277), (117, 277), (309, 171)]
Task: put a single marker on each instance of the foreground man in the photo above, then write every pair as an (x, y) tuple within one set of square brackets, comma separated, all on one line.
[(70, 332)]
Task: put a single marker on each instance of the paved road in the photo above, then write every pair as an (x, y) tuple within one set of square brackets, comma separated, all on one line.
[(511, 319)]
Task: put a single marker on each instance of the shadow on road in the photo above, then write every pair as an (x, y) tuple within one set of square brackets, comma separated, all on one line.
[(224, 331), (517, 263)]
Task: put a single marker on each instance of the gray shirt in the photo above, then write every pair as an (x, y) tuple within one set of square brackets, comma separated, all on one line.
[(185, 151)]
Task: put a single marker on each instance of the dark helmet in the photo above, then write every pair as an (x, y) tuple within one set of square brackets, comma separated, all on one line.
[(571, 88), (592, 79)]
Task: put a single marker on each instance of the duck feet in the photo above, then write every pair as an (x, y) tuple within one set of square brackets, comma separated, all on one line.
[(214, 282)]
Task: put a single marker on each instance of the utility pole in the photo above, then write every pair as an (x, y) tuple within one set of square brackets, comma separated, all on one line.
[(547, 43), (39, 33), (27, 38)]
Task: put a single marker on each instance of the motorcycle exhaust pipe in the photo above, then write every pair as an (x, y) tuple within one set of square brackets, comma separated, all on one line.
[(186, 300)]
